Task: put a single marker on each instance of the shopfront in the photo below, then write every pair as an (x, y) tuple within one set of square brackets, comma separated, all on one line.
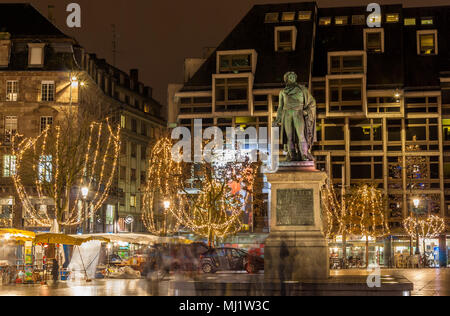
[(355, 252)]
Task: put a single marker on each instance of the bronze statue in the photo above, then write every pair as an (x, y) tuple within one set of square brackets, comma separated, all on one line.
[(297, 117)]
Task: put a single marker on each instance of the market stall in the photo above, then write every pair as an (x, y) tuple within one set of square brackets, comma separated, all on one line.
[(16, 259)]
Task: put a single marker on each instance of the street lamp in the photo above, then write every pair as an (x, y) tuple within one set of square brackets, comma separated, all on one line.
[(166, 204), (416, 202), (84, 194)]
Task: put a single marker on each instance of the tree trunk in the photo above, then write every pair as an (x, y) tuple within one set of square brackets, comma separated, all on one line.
[(344, 249), (367, 251)]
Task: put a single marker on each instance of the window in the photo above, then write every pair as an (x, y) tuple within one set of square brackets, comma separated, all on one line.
[(271, 17), (143, 152), (45, 169), (341, 20), (325, 21), (133, 150), (232, 94), (427, 42), (146, 108), (426, 21), (133, 125), (133, 200), (392, 18), (10, 128), (5, 49), (133, 175), (48, 91), (358, 20), (374, 40), (346, 63), (285, 38), (235, 63), (109, 216), (346, 94), (36, 54), (288, 16), (45, 122), (12, 90), (188, 105), (123, 172), (304, 15), (143, 129), (9, 165), (123, 121), (410, 21)]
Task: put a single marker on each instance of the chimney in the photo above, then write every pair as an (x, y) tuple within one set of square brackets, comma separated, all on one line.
[(134, 75), (50, 15)]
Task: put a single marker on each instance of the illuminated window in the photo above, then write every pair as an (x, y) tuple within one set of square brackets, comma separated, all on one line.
[(109, 216), (271, 17), (427, 42), (9, 165), (426, 21), (374, 40), (12, 90), (10, 128), (285, 38), (304, 15), (410, 21), (146, 108), (288, 16), (325, 21), (45, 169), (133, 200), (358, 20), (392, 18), (341, 20), (123, 121), (48, 91)]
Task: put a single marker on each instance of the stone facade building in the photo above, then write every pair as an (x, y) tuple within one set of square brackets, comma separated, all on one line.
[(44, 72), (380, 92)]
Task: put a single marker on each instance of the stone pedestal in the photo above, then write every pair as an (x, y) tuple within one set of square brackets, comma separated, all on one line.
[(296, 249)]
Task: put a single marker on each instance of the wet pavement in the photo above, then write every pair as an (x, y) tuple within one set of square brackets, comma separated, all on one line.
[(429, 282)]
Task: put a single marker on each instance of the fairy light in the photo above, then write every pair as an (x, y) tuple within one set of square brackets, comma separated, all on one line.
[(430, 227), (64, 177), (217, 208)]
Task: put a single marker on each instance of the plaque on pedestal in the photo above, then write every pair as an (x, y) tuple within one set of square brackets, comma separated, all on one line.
[(296, 248)]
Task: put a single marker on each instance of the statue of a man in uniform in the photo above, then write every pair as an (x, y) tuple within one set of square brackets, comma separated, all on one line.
[(297, 117)]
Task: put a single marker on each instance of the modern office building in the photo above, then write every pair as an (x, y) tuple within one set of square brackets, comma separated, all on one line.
[(44, 72), (380, 91)]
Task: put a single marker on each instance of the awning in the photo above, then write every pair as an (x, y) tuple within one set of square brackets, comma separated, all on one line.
[(53, 238), (16, 234)]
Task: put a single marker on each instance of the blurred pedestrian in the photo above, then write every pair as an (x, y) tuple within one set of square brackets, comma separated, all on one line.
[(55, 270)]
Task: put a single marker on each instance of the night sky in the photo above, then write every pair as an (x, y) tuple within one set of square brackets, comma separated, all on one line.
[(156, 36)]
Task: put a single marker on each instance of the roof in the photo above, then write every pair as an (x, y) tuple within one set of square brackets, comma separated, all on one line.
[(401, 66), (30, 23)]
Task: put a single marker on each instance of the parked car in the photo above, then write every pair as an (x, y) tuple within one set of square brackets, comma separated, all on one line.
[(175, 257), (230, 259)]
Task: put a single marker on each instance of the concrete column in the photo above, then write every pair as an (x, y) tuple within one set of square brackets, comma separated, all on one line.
[(388, 259), (443, 252)]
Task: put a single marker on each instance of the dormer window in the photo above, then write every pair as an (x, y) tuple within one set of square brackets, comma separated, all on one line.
[(36, 54), (410, 21), (325, 21), (374, 40), (358, 19), (5, 49), (285, 38), (304, 15), (427, 42), (271, 17), (392, 17), (288, 17), (426, 21), (341, 20), (236, 61)]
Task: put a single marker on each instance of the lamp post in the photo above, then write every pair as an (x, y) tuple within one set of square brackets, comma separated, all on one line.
[(416, 203), (166, 204), (84, 194)]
